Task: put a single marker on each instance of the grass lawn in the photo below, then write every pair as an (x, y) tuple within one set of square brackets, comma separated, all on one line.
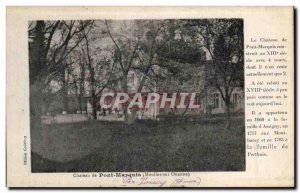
[(95, 146)]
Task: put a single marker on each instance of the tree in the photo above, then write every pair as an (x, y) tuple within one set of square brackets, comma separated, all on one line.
[(223, 40), (50, 44), (149, 48), (79, 77), (97, 58), (125, 53), (76, 78)]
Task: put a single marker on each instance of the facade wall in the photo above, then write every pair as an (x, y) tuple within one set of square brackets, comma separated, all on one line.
[(210, 102), (215, 103)]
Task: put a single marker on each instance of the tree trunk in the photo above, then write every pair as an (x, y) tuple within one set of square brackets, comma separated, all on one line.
[(37, 63), (94, 102), (65, 91), (93, 93), (81, 86), (78, 97), (92, 80), (125, 106), (228, 112), (80, 103), (132, 117)]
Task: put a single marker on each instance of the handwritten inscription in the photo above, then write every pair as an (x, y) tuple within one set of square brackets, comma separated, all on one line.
[(183, 181), (148, 179), (145, 181)]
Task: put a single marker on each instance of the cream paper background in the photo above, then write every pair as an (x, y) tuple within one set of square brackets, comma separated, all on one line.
[(276, 22)]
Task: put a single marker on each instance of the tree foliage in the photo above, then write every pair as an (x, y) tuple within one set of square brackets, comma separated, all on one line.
[(87, 57)]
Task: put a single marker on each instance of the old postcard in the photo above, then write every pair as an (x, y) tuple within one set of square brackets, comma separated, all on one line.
[(150, 97)]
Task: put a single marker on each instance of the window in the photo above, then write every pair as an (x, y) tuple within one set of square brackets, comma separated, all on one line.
[(216, 100), (235, 98)]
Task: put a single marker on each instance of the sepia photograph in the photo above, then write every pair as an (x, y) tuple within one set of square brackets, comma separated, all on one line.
[(150, 97), (143, 95)]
